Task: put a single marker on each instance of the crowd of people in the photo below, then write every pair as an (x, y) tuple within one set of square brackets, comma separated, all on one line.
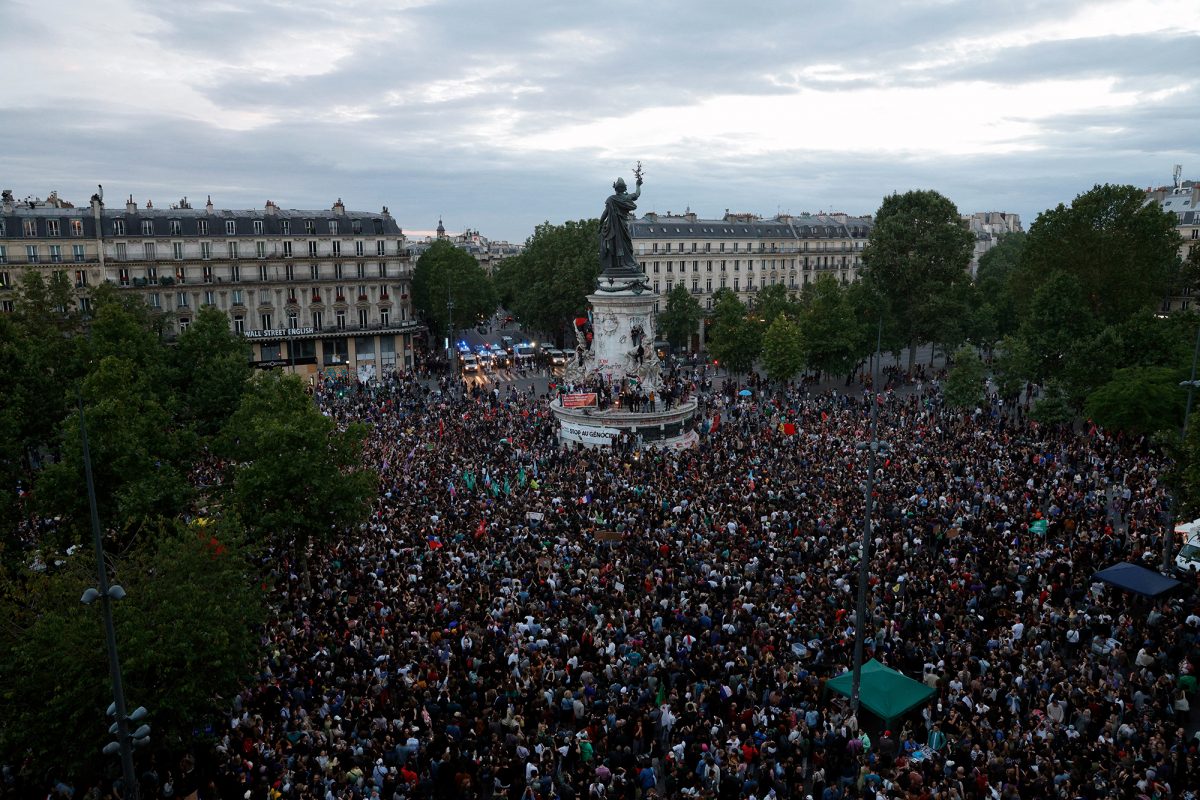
[(530, 621)]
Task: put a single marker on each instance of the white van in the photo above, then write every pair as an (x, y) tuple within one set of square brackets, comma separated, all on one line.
[(470, 364), (1187, 560)]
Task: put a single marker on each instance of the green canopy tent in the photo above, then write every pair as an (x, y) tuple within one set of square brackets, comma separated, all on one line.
[(884, 692)]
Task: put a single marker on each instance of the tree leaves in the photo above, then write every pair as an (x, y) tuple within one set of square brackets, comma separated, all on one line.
[(680, 318), (445, 272)]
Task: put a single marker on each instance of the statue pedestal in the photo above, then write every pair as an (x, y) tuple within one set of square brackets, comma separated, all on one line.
[(612, 361)]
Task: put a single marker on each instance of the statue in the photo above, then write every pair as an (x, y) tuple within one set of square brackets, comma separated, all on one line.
[(616, 245)]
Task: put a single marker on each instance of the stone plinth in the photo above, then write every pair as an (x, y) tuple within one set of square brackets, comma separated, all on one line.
[(591, 427)]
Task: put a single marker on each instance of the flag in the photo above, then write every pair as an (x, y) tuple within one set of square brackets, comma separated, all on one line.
[(507, 490), (434, 543), (716, 423), (521, 476), (481, 528), (789, 429)]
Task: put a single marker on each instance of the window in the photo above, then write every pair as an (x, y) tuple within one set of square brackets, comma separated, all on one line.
[(180, 275), (231, 227), (362, 291), (693, 247), (183, 324), (695, 285), (3, 254), (293, 319), (233, 249), (312, 249), (708, 286), (656, 286), (379, 247), (265, 321), (118, 227), (314, 272), (310, 227), (181, 300), (258, 227), (239, 325), (236, 298), (356, 226), (341, 320), (152, 273), (155, 300), (8, 306), (52, 227), (4, 283), (176, 228), (337, 248), (29, 227), (206, 250), (147, 227), (656, 266), (31, 254), (210, 297), (208, 274), (337, 271), (285, 227), (708, 247), (77, 227), (362, 317), (85, 306), (289, 271), (358, 249), (316, 320), (177, 250), (262, 272), (56, 253), (287, 249), (148, 250), (78, 253), (123, 276), (260, 249), (382, 269), (340, 293), (333, 227), (361, 269), (1196, 233), (385, 317), (202, 227)]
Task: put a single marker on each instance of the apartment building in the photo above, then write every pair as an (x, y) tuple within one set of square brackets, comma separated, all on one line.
[(746, 253), (1182, 199), (311, 290)]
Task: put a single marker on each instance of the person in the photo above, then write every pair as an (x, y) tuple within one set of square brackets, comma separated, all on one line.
[(616, 245)]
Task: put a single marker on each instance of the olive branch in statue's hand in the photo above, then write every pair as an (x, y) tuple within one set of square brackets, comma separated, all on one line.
[(637, 173)]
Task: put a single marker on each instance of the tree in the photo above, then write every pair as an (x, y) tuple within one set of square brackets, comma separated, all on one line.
[(964, 383), (1011, 365), (773, 300), (187, 633), (547, 285), (296, 477), (1138, 400), (782, 349), (681, 317), (212, 365), (993, 281), (1122, 252), (1053, 408), (1054, 321), (918, 251), (831, 332), (734, 339), (445, 272)]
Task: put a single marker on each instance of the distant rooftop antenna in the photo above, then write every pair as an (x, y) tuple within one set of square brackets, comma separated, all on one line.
[(1177, 175)]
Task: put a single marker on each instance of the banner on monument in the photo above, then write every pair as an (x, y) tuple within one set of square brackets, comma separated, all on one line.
[(580, 400), (588, 434)]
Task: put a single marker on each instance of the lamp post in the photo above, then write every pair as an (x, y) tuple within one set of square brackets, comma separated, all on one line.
[(1191, 384), (450, 349), (106, 594), (864, 555)]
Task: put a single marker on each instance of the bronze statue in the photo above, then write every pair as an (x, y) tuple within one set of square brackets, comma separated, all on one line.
[(616, 246)]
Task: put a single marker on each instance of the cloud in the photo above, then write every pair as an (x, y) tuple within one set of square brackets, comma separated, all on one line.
[(501, 116)]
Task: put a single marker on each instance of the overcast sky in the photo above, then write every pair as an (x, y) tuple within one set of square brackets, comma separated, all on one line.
[(499, 115)]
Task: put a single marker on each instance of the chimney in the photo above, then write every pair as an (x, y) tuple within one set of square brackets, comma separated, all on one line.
[(387, 213), (130, 206), (6, 200), (208, 206), (272, 208), (338, 208)]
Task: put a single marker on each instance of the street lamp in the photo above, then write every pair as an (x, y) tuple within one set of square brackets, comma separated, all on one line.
[(107, 594), (449, 333)]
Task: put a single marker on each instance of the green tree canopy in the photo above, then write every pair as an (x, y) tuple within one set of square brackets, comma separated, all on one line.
[(187, 633), (773, 300), (782, 349), (296, 477), (832, 333), (734, 338), (993, 281), (964, 383), (547, 285), (680, 318), (212, 365), (1138, 400), (445, 272), (918, 251), (1122, 252)]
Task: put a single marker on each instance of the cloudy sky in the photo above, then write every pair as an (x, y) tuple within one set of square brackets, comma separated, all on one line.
[(499, 115)]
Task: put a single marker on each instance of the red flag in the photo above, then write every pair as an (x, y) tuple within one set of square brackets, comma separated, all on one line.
[(481, 529), (716, 423), (441, 428), (789, 429)]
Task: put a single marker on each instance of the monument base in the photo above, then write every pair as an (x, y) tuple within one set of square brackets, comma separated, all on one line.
[(672, 428)]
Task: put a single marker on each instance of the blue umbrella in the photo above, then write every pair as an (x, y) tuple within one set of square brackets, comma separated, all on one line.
[(745, 393)]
